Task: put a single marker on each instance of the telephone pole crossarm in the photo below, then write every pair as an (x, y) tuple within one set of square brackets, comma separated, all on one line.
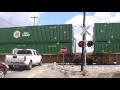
[(34, 19)]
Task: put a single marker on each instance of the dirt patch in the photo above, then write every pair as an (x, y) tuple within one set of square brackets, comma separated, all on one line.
[(116, 75), (50, 72)]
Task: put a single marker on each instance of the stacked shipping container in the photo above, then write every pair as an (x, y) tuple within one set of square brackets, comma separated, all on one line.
[(47, 39), (107, 37)]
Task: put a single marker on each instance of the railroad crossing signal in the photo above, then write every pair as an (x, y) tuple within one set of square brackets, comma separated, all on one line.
[(85, 30), (81, 43), (90, 43)]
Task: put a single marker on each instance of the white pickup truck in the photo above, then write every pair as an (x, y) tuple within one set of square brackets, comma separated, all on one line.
[(24, 57)]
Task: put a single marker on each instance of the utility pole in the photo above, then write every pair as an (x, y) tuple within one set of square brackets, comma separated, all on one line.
[(34, 19), (84, 47)]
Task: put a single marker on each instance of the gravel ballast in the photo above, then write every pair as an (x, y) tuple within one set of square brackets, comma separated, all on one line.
[(55, 70), (92, 71)]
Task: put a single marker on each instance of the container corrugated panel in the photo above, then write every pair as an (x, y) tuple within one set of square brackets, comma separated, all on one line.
[(43, 48), (45, 33), (107, 31), (65, 33), (101, 47), (51, 33)]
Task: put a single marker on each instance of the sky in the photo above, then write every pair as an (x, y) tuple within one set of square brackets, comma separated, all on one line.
[(15, 19)]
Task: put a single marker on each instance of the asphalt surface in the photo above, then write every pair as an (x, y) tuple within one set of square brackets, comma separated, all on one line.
[(21, 73)]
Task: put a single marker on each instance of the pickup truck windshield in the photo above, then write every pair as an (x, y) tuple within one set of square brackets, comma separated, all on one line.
[(24, 52)]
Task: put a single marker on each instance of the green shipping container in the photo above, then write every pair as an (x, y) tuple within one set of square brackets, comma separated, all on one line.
[(36, 34), (107, 31), (43, 48), (101, 47), (65, 33)]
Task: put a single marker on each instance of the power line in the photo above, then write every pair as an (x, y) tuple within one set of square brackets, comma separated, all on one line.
[(8, 22)]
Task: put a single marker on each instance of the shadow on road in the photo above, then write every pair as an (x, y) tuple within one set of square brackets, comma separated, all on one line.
[(17, 68)]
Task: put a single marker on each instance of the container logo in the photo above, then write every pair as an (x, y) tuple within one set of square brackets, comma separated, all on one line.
[(16, 34), (26, 34), (51, 45), (52, 27)]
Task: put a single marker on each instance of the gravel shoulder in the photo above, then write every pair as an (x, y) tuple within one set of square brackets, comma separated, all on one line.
[(92, 71), (73, 71)]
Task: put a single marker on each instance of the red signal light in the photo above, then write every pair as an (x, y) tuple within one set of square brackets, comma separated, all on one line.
[(81, 44), (90, 43)]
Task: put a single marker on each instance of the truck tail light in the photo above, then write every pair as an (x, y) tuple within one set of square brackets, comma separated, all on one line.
[(24, 58)]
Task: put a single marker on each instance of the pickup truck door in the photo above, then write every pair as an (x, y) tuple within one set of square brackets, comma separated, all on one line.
[(38, 57), (35, 61)]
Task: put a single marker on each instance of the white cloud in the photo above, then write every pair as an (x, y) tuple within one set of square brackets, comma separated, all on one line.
[(12, 19), (102, 15), (98, 17)]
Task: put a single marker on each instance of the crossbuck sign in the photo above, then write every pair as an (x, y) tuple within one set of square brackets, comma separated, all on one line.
[(85, 30)]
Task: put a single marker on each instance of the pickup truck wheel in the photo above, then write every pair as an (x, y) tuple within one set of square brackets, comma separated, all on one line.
[(30, 65), (2, 73), (11, 67)]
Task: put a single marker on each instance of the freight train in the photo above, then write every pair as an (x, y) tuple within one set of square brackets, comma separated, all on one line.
[(48, 39)]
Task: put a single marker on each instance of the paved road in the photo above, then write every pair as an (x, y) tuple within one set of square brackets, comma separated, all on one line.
[(43, 71), (21, 73)]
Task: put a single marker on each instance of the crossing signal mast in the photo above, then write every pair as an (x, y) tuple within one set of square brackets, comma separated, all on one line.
[(83, 43)]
